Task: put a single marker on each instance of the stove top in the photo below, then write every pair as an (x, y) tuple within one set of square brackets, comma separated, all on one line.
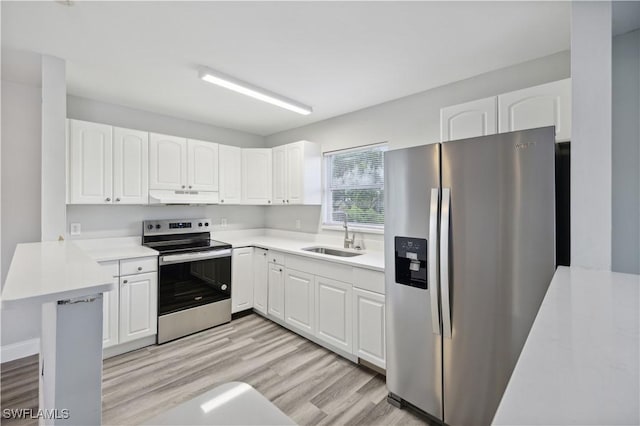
[(180, 236)]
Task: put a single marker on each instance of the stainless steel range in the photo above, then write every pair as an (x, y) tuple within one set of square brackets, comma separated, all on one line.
[(194, 276)]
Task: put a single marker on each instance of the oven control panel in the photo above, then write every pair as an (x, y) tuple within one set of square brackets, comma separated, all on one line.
[(176, 226)]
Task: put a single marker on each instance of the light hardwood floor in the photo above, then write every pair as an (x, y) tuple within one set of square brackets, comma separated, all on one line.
[(310, 384)]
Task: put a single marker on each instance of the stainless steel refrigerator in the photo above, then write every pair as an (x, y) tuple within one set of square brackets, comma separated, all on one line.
[(469, 254)]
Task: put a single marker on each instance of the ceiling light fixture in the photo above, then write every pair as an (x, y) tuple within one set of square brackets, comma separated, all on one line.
[(231, 83)]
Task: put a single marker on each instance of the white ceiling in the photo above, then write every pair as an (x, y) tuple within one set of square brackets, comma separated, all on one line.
[(335, 56)]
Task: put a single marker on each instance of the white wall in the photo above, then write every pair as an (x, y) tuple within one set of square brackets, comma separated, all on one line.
[(409, 121), (415, 120), (591, 40), (21, 154), (116, 115), (54, 110), (625, 211), (121, 221)]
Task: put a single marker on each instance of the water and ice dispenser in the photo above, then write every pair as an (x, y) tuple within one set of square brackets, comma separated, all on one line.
[(411, 261)]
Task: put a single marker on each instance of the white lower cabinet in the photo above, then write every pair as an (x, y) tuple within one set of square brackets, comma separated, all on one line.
[(138, 306), (276, 291), (298, 300), (242, 279), (260, 280), (333, 312), (110, 302), (369, 326)]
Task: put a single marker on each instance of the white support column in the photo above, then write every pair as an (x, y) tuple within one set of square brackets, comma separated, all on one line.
[(591, 46), (54, 114)]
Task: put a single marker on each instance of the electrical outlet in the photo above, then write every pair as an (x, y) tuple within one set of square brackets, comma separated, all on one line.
[(298, 224), (76, 229), (223, 222)]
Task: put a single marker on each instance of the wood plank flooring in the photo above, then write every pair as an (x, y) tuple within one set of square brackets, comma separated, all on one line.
[(310, 384)]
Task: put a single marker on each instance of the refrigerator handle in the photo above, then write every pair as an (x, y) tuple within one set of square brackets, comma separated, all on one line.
[(433, 260), (444, 261)]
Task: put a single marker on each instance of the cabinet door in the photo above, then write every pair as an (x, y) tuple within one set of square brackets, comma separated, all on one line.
[(538, 106), (90, 163), (279, 175), (242, 279), (138, 306), (256, 176), (276, 291), (202, 165), (333, 313), (260, 280), (230, 174), (130, 166), (167, 162), (369, 327), (468, 120), (110, 315), (299, 300), (295, 173)]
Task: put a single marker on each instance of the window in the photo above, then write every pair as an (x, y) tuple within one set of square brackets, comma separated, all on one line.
[(354, 183)]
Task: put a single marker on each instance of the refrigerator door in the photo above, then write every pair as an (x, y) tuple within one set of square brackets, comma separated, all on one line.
[(414, 344), (500, 262)]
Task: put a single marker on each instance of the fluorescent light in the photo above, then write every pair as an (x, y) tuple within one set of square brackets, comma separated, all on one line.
[(231, 83)]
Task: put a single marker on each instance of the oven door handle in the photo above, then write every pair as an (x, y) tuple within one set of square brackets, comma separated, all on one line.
[(190, 257)]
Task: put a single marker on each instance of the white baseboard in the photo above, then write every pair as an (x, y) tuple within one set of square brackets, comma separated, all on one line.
[(19, 350)]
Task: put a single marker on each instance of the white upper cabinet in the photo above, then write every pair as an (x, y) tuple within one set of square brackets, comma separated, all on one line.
[(296, 173), (538, 106), (256, 176), (202, 167), (279, 175), (167, 162), (468, 120), (130, 166), (90, 163), (230, 174)]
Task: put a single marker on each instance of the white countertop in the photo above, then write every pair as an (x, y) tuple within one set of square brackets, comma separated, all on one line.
[(51, 271), (580, 362), (107, 249), (370, 259)]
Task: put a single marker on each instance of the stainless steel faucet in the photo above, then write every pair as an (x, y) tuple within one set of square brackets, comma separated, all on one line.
[(348, 242)]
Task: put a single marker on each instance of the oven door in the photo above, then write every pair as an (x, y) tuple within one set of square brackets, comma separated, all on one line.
[(187, 280)]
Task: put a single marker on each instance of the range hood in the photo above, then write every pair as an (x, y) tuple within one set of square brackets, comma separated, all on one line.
[(157, 196)]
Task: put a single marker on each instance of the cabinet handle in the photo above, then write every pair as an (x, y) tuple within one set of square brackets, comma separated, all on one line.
[(125, 281), (269, 201), (283, 201), (222, 201), (107, 199), (139, 268), (117, 200), (189, 186), (264, 254), (287, 201)]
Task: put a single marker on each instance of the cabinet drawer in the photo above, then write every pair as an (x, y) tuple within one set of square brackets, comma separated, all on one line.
[(335, 271), (112, 266), (275, 257), (138, 266), (368, 279)]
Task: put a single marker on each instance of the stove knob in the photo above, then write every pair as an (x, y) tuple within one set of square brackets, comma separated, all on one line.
[(158, 226), (200, 224), (149, 227), (206, 224)]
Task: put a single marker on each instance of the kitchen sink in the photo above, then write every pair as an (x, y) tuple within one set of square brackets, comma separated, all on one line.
[(332, 251)]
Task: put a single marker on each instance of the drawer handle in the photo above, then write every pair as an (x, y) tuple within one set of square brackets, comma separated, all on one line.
[(125, 281), (139, 268)]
